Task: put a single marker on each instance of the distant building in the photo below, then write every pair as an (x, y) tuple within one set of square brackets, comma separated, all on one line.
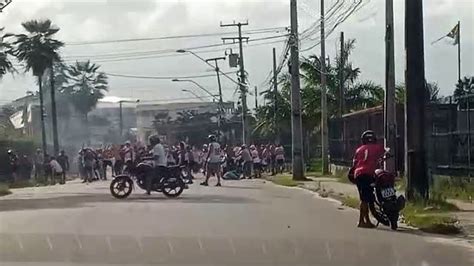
[(173, 120)]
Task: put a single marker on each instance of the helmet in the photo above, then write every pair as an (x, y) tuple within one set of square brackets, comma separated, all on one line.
[(368, 137), (9, 151), (211, 138), (154, 139)]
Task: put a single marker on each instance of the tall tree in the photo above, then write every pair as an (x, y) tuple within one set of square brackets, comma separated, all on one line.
[(86, 86), (38, 50), (5, 51)]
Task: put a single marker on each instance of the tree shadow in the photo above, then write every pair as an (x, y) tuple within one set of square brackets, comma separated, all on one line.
[(87, 200)]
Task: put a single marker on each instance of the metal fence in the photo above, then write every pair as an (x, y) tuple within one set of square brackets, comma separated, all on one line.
[(448, 127)]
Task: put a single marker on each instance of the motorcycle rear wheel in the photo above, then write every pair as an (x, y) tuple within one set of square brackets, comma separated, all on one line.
[(121, 188), (173, 190)]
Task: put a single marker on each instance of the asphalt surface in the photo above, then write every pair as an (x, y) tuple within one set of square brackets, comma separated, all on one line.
[(243, 223)]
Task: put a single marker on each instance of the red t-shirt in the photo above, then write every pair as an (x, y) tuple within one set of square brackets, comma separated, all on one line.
[(366, 159)]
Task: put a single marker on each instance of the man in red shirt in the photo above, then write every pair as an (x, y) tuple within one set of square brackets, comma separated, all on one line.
[(366, 161)]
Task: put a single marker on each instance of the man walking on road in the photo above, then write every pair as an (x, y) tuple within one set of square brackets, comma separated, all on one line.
[(247, 161), (63, 160), (213, 161)]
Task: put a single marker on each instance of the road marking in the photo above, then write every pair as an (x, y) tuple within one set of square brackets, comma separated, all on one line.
[(50, 245), (109, 244), (295, 248), (18, 240), (232, 247), (264, 249), (79, 244), (328, 251), (139, 243), (201, 247), (170, 246)]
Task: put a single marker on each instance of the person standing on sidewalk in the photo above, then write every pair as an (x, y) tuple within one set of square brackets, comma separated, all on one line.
[(364, 165), (280, 158), (247, 161)]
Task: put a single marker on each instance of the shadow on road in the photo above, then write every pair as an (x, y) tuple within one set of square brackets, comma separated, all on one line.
[(84, 200)]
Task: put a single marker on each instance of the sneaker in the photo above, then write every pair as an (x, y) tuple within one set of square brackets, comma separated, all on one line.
[(218, 185), (204, 184)]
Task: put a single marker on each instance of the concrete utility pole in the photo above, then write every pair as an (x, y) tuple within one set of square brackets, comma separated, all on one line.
[(390, 123), (417, 177), (341, 78), (324, 114), (221, 104), (54, 117), (256, 98), (243, 80), (275, 94), (43, 126), (296, 124)]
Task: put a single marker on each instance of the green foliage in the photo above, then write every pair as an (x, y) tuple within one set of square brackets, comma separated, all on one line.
[(86, 86), (5, 51), (432, 216), (284, 180), (453, 188), (4, 189), (37, 49), (351, 202)]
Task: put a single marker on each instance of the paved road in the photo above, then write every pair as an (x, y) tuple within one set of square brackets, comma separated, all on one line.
[(242, 223)]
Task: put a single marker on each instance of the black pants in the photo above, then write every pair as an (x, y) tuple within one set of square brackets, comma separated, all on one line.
[(366, 191), (158, 172)]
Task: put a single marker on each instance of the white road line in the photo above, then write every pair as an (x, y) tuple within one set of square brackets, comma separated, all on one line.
[(50, 245), (201, 247), (264, 249), (18, 240), (109, 244), (79, 244), (295, 248), (232, 247), (328, 251), (170, 246), (139, 243)]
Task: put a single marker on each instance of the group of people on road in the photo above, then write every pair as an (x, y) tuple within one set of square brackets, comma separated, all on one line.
[(44, 167)]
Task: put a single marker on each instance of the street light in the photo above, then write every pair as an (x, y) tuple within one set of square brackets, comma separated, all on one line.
[(197, 84), (181, 51), (193, 93)]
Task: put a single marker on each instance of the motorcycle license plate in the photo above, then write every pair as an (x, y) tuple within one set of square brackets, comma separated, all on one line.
[(388, 192)]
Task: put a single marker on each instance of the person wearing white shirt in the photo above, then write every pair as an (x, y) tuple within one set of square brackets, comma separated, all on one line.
[(159, 160), (56, 169)]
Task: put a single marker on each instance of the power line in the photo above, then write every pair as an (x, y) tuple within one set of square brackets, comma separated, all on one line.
[(162, 77), (254, 31)]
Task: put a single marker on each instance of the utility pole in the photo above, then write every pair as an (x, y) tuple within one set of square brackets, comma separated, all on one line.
[(43, 126), (324, 115), (256, 98), (121, 119), (341, 77), (459, 50), (221, 104), (243, 80), (296, 124), (417, 177), (53, 111), (275, 95), (390, 123)]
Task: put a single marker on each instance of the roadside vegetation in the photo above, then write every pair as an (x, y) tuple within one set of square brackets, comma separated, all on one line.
[(4, 189), (283, 180)]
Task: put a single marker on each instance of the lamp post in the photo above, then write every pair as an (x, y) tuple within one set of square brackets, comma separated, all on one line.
[(121, 114), (193, 93), (197, 84)]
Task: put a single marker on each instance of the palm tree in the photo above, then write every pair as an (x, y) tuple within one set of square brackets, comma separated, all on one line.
[(5, 50), (38, 50), (86, 85)]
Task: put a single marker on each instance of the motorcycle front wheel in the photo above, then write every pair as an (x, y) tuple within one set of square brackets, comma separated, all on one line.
[(172, 188), (121, 187)]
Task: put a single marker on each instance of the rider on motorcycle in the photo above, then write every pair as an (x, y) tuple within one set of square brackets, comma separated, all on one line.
[(159, 159), (364, 165)]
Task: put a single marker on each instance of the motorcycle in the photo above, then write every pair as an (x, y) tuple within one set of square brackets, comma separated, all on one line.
[(170, 181), (387, 205)]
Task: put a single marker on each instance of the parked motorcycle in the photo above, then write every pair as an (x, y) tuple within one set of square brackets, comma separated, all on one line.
[(387, 205), (170, 181)]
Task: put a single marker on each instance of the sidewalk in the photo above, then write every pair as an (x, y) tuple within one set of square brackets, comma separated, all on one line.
[(331, 187)]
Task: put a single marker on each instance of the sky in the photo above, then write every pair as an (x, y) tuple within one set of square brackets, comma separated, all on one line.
[(85, 21)]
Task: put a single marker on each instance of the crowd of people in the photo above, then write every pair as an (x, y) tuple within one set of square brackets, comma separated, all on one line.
[(211, 159), (44, 167)]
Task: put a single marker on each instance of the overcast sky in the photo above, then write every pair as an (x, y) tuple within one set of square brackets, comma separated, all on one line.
[(98, 20)]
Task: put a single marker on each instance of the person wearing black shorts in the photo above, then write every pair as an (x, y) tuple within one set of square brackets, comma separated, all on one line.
[(365, 162)]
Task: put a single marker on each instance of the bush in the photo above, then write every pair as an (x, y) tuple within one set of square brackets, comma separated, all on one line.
[(453, 188)]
